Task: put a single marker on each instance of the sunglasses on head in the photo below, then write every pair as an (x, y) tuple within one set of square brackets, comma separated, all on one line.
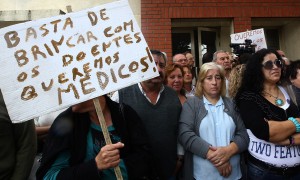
[(269, 64)]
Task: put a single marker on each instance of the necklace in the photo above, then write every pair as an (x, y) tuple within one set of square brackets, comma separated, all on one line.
[(278, 101)]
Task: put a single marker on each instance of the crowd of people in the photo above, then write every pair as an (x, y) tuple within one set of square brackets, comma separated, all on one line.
[(236, 118)]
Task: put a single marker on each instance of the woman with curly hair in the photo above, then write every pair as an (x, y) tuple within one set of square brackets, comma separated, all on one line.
[(271, 118)]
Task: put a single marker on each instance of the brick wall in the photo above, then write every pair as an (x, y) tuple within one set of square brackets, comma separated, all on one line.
[(156, 15)]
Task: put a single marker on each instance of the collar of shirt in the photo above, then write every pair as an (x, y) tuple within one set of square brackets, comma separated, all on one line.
[(162, 88), (219, 103)]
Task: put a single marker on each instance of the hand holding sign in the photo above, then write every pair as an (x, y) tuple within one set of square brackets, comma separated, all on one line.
[(109, 156)]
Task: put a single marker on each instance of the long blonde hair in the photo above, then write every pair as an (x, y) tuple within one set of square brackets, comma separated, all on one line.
[(202, 74), (235, 79)]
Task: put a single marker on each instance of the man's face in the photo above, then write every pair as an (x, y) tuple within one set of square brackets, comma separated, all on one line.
[(281, 53), (224, 60), (180, 59), (284, 58), (160, 64), (190, 59)]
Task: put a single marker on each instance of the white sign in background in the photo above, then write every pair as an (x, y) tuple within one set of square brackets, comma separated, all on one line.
[(257, 36), (53, 63)]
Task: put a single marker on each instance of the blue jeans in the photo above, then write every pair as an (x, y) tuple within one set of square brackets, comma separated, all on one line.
[(257, 173)]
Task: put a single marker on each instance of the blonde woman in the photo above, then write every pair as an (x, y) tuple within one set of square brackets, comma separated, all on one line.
[(210, 130)]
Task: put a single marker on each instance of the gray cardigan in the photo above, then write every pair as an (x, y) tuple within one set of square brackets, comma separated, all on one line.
[(193, 112)]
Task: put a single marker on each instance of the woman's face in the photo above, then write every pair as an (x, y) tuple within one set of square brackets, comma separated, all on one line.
[(175, 80), (296, 82), (187, 78), (212, 83), (271, 74)]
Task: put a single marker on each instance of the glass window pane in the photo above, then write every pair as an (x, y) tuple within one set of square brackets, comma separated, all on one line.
[(208, 41), (181, 42), (272, 37)]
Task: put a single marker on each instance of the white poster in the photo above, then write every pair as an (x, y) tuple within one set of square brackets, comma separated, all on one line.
[(257, 36), (53, 63)]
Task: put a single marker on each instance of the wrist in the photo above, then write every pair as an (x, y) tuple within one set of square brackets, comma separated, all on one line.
[(233, 148), (296, 123)]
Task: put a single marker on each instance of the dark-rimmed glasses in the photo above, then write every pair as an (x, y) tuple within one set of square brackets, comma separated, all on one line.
[(181, 60), (269, 64)]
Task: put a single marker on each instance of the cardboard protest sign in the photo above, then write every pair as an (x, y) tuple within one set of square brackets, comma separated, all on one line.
[(257, 36), (53, 63)]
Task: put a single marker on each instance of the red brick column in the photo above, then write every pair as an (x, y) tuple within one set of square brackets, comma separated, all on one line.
[(241, 24), (156, 27)]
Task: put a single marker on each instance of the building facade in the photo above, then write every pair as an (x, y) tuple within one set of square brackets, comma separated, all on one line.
[(200, 26), (175, 26)]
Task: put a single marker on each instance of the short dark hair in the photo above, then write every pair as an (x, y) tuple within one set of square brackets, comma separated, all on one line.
[(158, 53), (292, 69), (207, 57)]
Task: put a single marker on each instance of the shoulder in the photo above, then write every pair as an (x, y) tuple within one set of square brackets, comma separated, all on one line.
[(194, 102), (63, 123), (48, 119), (128, 88), (227, 101), (249, 94), (169, 90), (129, 92), (194, 99), (229, 105)]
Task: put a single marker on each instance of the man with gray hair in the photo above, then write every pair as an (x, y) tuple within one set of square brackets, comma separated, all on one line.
[(180, 59), (222, 58), (284, 58)]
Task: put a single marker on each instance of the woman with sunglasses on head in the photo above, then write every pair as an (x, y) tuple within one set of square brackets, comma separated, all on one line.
[(271, 119)]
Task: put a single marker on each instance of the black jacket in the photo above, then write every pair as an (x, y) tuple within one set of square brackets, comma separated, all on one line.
[(69, 132)]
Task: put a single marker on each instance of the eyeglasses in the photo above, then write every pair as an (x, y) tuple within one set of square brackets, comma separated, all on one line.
[(182, 60), (269, 64)]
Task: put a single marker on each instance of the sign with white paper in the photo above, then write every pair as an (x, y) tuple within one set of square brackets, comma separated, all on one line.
[(53, 63), (257, 36)]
